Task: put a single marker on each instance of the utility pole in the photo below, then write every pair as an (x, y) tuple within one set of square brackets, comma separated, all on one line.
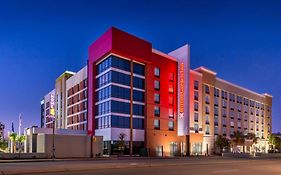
[(53, 147), (131, 108)]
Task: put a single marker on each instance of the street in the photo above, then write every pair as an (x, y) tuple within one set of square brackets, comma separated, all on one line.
[(139, 166)]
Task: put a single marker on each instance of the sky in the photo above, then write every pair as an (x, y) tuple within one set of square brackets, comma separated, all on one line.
[(39, 40)]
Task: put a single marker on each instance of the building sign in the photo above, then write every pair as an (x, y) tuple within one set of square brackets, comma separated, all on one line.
[(182, 55), (181, 92), (52, 105)]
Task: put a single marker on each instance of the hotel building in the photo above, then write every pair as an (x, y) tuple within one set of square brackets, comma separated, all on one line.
[(218, 107), (156, 100), (48, 105), (76, 98)]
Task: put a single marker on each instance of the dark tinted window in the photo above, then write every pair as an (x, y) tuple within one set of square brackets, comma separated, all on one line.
[(139, 69), (138, 96), (120, 107), (138, 82)]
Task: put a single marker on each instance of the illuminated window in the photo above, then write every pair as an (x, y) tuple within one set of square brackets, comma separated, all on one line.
[(171, 77), (171, 100), (156, 98), (157, 72), (171, 88), (171, 113), (156, 85), (171, 125), (156, 124)]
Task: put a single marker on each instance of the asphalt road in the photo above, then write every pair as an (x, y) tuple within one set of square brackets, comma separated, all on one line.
[(182, 166)]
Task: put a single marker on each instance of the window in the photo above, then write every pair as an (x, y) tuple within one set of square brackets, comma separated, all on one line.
[(224, 103), (120, 107), (156, 110), (239, 124), (195, 117), (224, 122), (171, 125), (216, 111), (224, 130), (171, 113), (216, 101), (232, 123), (118, 122), (138, 96), (223, 112), (196, 128), (216, 130), (156, 85), (195, 106), (207, 120), (207, 130), (207, 100), (138, 109), (138, 123), (216, 92), (157, 72), (171, 100), (138, 82), (171, 88), (207, 90), (207, 111), (138, 69), (156, 98), (120, 63), (156, 124), (171, 77), (245, 125), (196, 85), (196, 95)]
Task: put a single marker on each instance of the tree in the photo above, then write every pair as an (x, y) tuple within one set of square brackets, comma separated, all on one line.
[(3, 145), (252, 136), (274, 142), (121, 142), (270, 141), (238, 139), (13, 138), (20, 139), (221, 142)]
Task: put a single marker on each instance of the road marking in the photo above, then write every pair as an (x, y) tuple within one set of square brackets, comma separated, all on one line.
[(225, 171), (133, 163)]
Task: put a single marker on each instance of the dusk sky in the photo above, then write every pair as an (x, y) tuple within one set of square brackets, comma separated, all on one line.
[(39, 40)]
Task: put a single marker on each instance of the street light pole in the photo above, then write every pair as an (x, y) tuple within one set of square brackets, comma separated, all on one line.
[(53, 147)]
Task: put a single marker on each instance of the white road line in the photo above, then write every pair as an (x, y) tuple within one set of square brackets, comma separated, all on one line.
[(225, 171)]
